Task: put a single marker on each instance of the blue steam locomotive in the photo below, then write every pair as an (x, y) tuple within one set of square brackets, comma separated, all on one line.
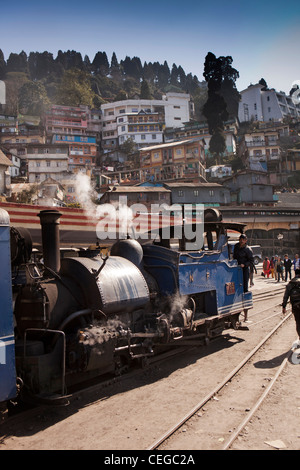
[(71, 319)]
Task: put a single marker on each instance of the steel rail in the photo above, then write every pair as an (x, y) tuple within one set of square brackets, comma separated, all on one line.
[(257, 404), (211, 394)]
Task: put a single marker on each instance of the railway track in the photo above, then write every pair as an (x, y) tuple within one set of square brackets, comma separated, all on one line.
[(162, 442)]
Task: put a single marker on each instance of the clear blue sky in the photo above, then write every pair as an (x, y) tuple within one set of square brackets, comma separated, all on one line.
[(263, 37)]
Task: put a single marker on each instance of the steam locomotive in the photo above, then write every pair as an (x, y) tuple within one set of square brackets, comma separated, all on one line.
[(75, 318)]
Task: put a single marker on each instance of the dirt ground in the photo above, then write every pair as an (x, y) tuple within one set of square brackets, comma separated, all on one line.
[(132, 414)]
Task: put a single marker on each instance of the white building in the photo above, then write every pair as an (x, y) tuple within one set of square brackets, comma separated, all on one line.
[(262, 104), (14, 170), (47, 161), (172, 111), (144, 128), (5, 179)]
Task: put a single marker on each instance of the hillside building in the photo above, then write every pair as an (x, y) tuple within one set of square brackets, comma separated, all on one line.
[(260, 149), (47, 161), (173, 160), (5, 178), (143, 121), (79, 128), (195, 129), (259, 103)]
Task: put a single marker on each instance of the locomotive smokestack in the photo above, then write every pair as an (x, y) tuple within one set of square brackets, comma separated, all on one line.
[(50, 238)]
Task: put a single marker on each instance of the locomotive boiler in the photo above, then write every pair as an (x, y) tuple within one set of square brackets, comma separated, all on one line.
[(76, 318)]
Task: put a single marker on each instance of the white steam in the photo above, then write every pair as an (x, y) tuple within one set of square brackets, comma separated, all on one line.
[(117, 215)]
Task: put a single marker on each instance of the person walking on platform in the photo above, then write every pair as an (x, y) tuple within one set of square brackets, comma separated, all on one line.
[(278, 268), (266, 267), (272, 262), (287, 267), (292, 291), (244, 256), (296, 262)]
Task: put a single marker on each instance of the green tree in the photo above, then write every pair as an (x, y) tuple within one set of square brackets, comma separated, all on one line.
[(129, 148), (75, 89), (40, 64), (114, 61), (100, 63), (2, 66), (33, 98), (14, 82), (163, 75), (17, 62), (174, 75), (145, 91), (218, 72)]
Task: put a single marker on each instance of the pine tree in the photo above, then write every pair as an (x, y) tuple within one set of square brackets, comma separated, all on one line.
[(218, 71), (2, 66), (145, 91)]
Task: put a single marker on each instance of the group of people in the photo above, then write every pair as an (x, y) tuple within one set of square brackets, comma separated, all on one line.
[(276, 267), (280, 269)]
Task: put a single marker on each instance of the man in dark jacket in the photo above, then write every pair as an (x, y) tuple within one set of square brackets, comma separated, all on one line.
[(244, 256), (287, 267), (292, 291)]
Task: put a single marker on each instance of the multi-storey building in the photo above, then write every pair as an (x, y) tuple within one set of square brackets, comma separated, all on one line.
[(292, 160), (174, 160), (195, 129), (261, 150), (259, 103), (172, 111), (16, 133), (47, 161), (144, 128), (5, 179), (79, 128)]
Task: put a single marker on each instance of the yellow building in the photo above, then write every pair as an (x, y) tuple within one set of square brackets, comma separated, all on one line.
[(173, 160)]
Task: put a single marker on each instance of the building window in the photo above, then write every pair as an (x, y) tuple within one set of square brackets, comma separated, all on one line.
[(153, 136), (180, 193), (196, 192), (143, 136), (211, 192)]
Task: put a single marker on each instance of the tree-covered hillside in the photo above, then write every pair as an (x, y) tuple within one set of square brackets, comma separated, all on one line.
[(34, 81)]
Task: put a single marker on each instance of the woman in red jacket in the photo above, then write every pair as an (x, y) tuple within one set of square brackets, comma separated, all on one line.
[(266, 267)]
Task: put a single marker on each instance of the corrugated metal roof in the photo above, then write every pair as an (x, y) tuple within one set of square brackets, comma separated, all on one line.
[(163, 146), (138, 189), (193, 185)]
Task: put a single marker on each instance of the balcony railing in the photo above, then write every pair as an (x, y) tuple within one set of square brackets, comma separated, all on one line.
[(261, 143)]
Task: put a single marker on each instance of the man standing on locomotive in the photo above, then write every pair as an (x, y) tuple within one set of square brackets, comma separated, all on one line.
[(244, 256)]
